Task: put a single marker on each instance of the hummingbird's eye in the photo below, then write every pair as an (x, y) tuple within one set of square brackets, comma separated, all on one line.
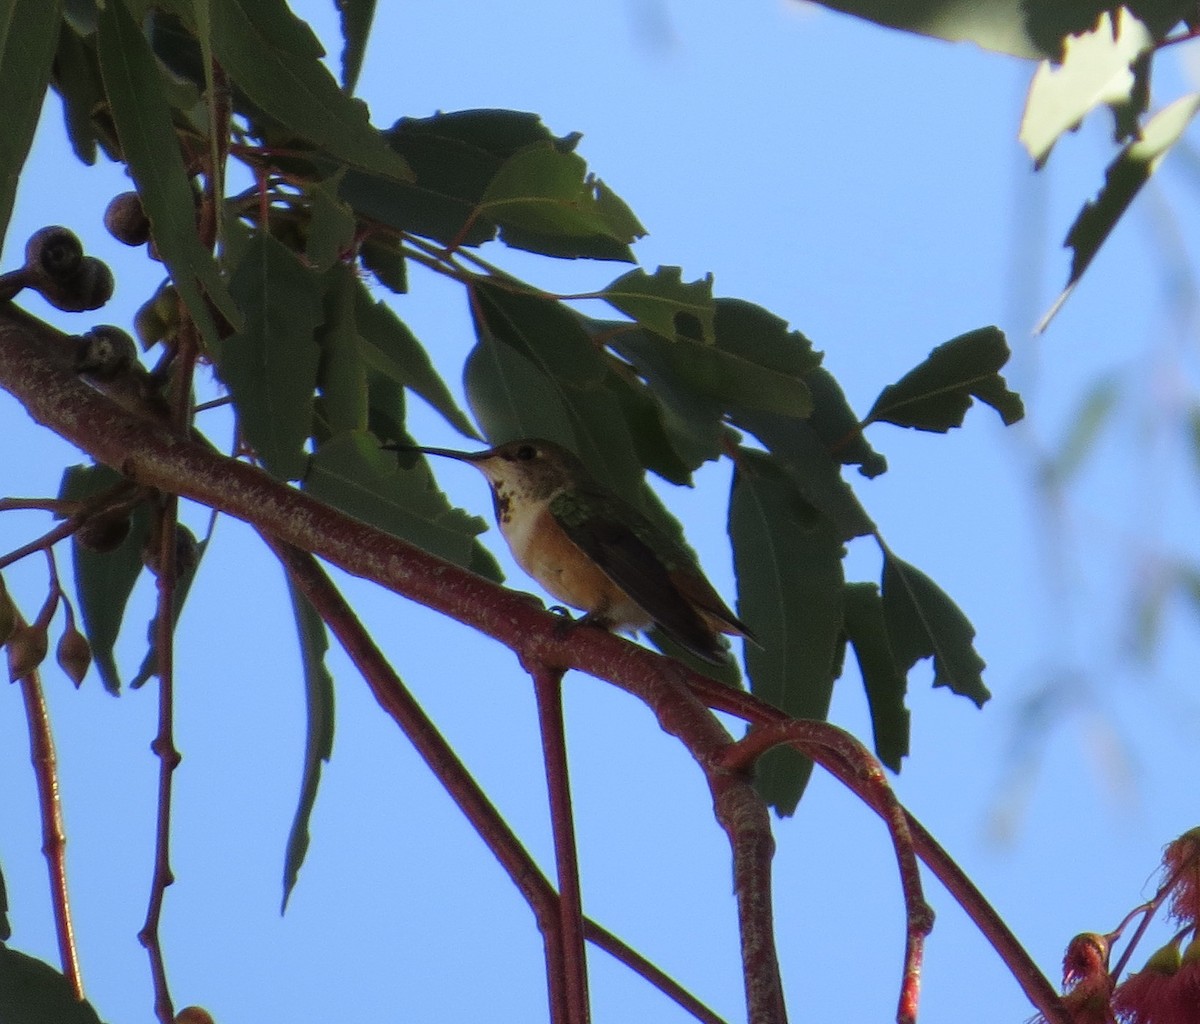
[(526, 452)]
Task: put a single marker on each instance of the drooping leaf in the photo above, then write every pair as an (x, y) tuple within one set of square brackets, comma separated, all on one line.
[(657, 301), (511, 397), (647, 419), (76, 78), (318, 744), (331, 226), (923, 622), (383, 258), (187, 563), (342, 372), (542, 195), (104, 580), (28, 39), (1025, 28), (815, 473), (275, 59), (33, 992), (271, 365), (134, 86), (391, 349), (1123, 180), (1096, 69), (454, 157), (356, 17), (883, 681), (788, 560), (352, 473), (936, 394)]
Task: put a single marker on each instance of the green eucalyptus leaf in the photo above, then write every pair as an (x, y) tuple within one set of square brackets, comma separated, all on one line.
[(543, 200), (883, 681), (76, 79), (187, 564), (271, 365), (1123, 180), (331, 226), (135, 85), (936, 394), (275, 59), (352, 473), (1096, 69), (657, 301), (342, 372), (104, 580), (923, 622), (391, 349), (318, 744), (834, 422), (29, 34), (788, 560), (356, 17)]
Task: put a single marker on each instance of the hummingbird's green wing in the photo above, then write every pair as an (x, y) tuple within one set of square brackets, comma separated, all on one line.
[(606, 530)]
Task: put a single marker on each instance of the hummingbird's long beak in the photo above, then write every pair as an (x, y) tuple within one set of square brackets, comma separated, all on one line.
[(448, 453)]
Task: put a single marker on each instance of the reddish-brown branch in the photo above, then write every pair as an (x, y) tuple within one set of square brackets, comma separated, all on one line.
[(163, 746), (35, 366), (54, 837), (547, 688), (864, 775)]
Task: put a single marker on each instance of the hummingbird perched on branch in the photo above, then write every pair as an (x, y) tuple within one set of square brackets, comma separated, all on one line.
[(595, 552)]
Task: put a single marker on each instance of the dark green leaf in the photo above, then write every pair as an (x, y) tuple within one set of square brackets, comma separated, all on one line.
[(922, 622), (143, 120), (542, 194), (1026, 28), (318, 745), (356, 16), (33, 992), (1096, 69), (331, 226), (353, 474), (342, 374), (187, 563), (454, 156), (1123, 180), (835, 424), (815, 473), (936, 394), (657, 301), (647, 419), (391, 349), (383, 258), (543, 330), (76, 78), (271, 365), (274, 58), (5, 925), (104, 580), (884, 683), (28, 39), (788, 560)]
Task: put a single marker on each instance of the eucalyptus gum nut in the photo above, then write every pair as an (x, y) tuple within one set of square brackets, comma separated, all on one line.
[(55, 252), (104, 352), (91, 288), (27, 649), (74, 655), (126, 219)]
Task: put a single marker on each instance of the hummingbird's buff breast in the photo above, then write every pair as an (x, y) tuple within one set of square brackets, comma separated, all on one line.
[(543, 550)]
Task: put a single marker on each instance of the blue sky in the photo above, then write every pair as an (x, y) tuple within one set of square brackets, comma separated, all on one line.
[(868, 187)]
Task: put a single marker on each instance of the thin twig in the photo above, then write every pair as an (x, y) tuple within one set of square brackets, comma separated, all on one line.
[(547, 687), (54, 838), (163, 747)]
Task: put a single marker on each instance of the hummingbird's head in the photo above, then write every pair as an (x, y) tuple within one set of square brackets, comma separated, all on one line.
[(530, 468)]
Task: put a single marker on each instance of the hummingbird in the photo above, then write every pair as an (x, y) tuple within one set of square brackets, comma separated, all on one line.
[(595, 552)]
